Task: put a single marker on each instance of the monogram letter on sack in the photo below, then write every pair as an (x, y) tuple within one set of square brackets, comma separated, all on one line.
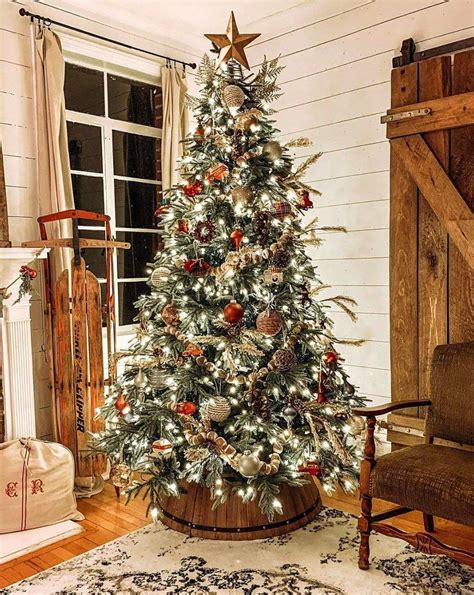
[(37, 486), (10, 489)]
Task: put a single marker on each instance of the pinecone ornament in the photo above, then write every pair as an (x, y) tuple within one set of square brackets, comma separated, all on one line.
[(281, 259)]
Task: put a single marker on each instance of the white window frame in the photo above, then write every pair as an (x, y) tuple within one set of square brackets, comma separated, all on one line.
[(110, 61)]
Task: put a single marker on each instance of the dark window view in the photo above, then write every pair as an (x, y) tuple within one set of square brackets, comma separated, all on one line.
[(84, 90), (132, 262), (132, 101), (135, 204), (88, 195), (94, 257), (134, 155), (85, 147), (128, 294)]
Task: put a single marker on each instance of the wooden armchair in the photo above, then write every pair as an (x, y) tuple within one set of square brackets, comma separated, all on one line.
[(437, 480)]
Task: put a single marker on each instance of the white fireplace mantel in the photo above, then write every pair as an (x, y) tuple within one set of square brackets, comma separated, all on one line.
[(17, 357)]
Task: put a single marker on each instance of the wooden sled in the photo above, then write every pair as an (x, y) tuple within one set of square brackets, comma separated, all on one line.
[(75, 314)]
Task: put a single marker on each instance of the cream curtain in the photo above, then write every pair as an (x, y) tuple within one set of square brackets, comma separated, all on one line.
[(54, 176), (175, 123)]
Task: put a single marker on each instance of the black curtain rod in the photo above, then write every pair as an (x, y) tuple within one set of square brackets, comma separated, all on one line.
[(47, 22)]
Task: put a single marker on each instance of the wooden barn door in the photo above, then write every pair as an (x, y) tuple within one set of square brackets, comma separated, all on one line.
[(431, 132)]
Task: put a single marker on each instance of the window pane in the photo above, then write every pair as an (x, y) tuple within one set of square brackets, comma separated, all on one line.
[(132, 263), (94, 257), (85, 147), (84, 90), (128, 295), (88, 196), (136, 102), (135, 204), (135, 155)]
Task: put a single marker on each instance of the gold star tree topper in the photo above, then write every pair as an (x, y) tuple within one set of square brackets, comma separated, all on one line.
[(232, 43)]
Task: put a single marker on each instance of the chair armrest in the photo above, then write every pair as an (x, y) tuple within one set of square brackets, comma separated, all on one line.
[(382, 409)]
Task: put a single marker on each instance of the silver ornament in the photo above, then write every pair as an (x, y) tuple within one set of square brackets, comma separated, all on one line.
[(249, 464), (140, 380), (159, 276), (157, 377), (289, 414), (218, 409), (272, 150)]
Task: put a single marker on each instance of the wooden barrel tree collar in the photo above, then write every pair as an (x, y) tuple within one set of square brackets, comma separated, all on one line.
[(235, 520)]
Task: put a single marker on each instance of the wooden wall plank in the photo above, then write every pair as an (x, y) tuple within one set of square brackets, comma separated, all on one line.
[(461, 278), (434, 81), (439, 191), (403, 256)]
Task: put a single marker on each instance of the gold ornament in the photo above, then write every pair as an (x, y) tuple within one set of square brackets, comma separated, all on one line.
[(120, 475), (246, 119), (272, 150), (233, 97), (218, 409), (269, 323), (140, 380), (241, 195), (159, 276), (232, 43), (249, 464)]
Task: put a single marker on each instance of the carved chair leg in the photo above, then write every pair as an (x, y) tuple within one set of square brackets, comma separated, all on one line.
[(428, 521), (364, 530), (365, 518)]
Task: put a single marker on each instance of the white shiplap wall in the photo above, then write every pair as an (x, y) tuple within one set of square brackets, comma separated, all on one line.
[(337, 55), (336, 85), (18, 137)]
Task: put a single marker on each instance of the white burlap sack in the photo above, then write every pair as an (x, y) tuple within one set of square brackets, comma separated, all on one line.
[(36, 485)]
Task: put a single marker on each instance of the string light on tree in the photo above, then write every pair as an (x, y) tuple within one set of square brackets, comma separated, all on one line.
[(235, 374)]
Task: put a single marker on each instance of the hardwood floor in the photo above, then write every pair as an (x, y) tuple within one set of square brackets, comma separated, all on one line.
[(108, 518)]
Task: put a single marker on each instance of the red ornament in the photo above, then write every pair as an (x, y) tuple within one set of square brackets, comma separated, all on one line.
[(27, 271), (217, 172), (192, 350), (204, 231), (197, 267), (233, 313), (193, 189), (330, 357), (312, 468), (305, 202), (186, 408), (182, 226), (321, 393), (162, 208), (121, 403), (199, 133), (237, 236)]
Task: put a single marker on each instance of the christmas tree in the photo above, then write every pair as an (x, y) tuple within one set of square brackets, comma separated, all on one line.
[(234, 380)]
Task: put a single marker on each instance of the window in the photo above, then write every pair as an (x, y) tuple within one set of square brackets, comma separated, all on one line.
[(114, 133)]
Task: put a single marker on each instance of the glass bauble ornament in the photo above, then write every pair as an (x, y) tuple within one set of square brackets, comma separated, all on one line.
[(249, 464)]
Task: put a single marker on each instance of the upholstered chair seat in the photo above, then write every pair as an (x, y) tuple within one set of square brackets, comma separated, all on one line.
[(435, 479)]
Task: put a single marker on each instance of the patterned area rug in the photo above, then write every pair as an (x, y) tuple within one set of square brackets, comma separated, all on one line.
[(320, 558)]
